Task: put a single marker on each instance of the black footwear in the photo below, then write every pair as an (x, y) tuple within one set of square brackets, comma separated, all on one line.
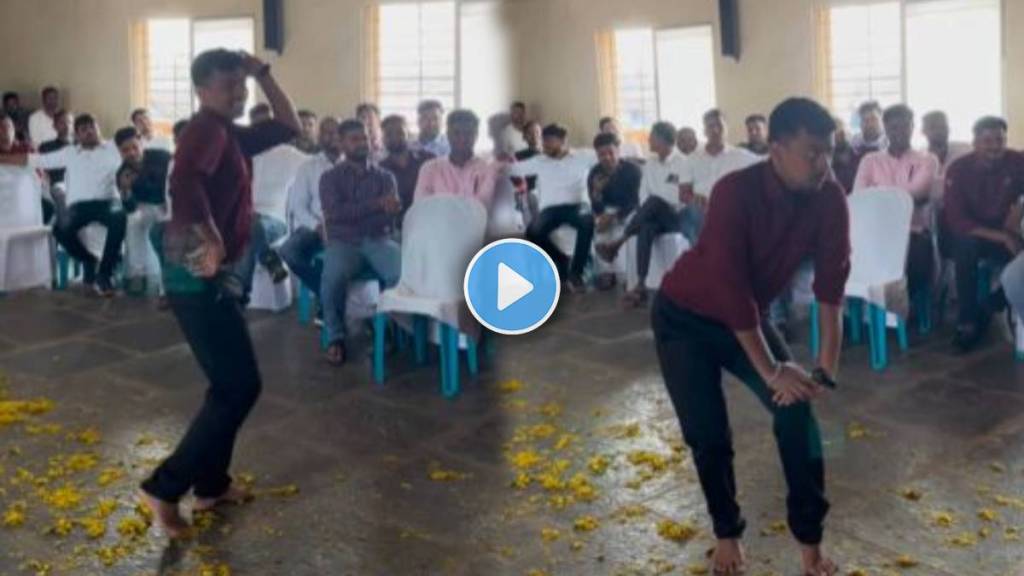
[(104, 287), (275, 266)]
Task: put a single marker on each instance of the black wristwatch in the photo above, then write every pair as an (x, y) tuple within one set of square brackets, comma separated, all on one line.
[(823, 379)]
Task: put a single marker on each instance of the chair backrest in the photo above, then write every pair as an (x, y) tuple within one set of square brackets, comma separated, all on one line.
[(879, 234), (440, 235), (272, 175), (20, 198)]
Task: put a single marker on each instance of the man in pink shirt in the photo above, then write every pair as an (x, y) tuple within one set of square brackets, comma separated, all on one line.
[(461, 173), (899, 166)]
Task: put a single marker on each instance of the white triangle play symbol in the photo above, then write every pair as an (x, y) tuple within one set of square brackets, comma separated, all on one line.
[(511, 286)]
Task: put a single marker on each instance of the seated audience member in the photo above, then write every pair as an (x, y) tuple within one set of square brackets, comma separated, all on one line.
[(982, 192), (629, 150), (430, 115), (614, 188), (844, 160), (935, 128), (9, 143), (666, 189), (156, 231), (402, 161), (40, 123), (18, 115), (460, 172), (757, 135), (686, 140), (308, 139), (144, 128), (902, 167), (142, 181), (259, 114), (513, 136), (360, 202), (92, 197), (272, 174), (369, 115), (532, 136), (561, 194), (305, 219), (871, 138), (716, 158)]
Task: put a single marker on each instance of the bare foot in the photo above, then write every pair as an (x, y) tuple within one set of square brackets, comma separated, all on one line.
[(728, 558), (233, 495), (166, 516), (815, 563)]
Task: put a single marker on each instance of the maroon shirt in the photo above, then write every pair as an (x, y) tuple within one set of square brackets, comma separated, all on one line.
[(756, 235), (979, 196), (212, 175)]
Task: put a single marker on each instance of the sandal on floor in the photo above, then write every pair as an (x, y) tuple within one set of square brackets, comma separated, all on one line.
[(336, 354)]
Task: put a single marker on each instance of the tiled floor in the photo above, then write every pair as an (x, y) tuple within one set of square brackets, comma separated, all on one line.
[(358, 479)]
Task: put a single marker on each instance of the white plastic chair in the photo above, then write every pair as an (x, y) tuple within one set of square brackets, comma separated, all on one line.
[(440, 235), (24, 240), (880, 237), (666, 250)]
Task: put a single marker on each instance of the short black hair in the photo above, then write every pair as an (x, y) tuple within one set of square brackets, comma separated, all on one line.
[(897, 111), (125, 134), (211, 61), (49, 90), (554, 130), (393, 119), (755, 118), (304, 113), (83, 120), (519, 104), (664, 131), (869, 106), (604, 120), (605, 139), (713, 113), (428, 105), (136, 113), (367, 107), (990, 123), (11, 96), (934, 115), (794, 115), (179, 127), (464, 116), (350, 125)]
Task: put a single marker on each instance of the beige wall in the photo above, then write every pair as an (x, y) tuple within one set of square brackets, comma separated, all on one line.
[(86, 50)]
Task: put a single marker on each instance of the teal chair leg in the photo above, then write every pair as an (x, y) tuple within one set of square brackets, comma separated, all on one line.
[(471, 357), (901, 333), (305, 304), (380, 326), (855, 310), (419, 325), (450, 351), (445, 370), (880, 354), (815, 332), (323, 337), (62, 269)]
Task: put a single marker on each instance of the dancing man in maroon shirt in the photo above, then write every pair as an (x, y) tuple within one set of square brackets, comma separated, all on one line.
[(709, 316), (211, 193)]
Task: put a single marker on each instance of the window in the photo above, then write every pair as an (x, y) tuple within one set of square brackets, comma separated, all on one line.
[(170, 46), (931, 54), (664, 75), (417, 58)]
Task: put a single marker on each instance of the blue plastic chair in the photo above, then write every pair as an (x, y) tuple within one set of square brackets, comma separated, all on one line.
[(877, 331), (449, 351)]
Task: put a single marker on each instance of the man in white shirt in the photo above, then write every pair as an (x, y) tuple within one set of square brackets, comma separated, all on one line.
[(430, 116), (305, 218), (686, 140), (666, 186), (630, 150), (561, 194), (40, 123), (92, 197), (513, 137), (144, 127), (716, 158)]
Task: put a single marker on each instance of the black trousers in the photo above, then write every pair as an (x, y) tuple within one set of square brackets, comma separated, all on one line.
[(654, 218), (968, 251), (920, 262), (552, 218), (693, 351), (215, 329), (80, 215)]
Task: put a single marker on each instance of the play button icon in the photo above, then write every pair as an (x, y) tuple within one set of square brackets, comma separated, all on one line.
[(511, 286)]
